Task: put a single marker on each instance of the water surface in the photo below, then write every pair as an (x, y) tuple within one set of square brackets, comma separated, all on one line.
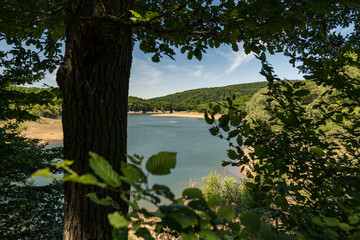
[(197, 151)]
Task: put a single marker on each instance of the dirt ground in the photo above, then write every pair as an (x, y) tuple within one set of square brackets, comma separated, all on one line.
[(46, 129)]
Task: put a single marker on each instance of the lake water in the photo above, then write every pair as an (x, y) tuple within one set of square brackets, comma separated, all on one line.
[(197, 151)]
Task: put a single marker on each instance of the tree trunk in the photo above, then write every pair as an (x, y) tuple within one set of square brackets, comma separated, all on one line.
[(94, 80)]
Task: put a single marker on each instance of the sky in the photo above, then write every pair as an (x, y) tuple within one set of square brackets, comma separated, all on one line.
[(218, 67)]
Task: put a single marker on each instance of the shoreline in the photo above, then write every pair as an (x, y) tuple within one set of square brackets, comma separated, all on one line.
[(180, 114), (50, 130)]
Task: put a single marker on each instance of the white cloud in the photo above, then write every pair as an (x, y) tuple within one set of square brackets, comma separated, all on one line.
[(144, 74), (198, 70), (237, 58), (197, 73), (193, 71)]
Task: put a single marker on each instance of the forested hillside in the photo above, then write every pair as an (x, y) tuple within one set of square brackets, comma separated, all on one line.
[(190, 100), (196, 99)]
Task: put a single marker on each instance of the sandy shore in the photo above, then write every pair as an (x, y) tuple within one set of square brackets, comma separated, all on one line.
[(183, 114), (50, 130), (47, 129), (180, 114)]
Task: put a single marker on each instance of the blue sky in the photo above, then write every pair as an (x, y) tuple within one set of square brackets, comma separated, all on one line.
[(219, 67)]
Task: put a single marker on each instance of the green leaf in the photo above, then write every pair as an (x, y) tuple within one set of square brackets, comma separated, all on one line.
[(332, 222), (208, 119), (44, 172), (135, 159), (317, 151), (226, 212), (185, 220), (232, 154), (234, 133), (318, 221), (214, 200), (233, 35), (144, 233), (236, 120), (117, 220), (245, 130), (120, 234), (251, 24), (251, 221), (87, 178), (239, 140), (216, 109), (331, 233), (150, 15), (164, 191), (155, 58), (214, 130), (301, 92), (209, 235), (191, 193), (346, 227), (63, 164), (136, 15), (133, 172), (318, 5), (235, 47), (161, 163), (354, 219), (188, 236), (95, 199), (104, 170)]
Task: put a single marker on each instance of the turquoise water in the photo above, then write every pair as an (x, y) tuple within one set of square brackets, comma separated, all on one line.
[(197, 151)]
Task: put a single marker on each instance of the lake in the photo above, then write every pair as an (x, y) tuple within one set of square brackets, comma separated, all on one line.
[(197, 151)]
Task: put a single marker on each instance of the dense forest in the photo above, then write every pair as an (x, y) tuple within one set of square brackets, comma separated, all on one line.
[(198, 99)]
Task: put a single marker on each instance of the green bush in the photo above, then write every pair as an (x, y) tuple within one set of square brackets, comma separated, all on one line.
[(188, 217), (48, 111), (227, 191), (27, 211)]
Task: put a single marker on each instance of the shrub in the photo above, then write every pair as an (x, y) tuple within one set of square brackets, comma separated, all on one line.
[(228, 191), (27, 211)]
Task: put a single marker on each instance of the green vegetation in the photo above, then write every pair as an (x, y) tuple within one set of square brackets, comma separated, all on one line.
[(24, 103), (306, 182), (27, 211), (304, 178), (191, 100), (257, 108), (198, 99), (195, 215), (227, 192)]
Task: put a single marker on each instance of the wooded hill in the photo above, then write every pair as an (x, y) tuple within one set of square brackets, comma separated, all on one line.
[(196, 99), (190, 100)]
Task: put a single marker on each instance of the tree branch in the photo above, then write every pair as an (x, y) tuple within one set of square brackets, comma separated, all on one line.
[(145, 24), (34, 11), (166, 14)]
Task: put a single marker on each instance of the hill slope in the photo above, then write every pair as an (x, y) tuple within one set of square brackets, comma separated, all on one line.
[(196, 99)]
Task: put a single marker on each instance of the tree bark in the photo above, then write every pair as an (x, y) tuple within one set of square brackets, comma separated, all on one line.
[(94, 79)]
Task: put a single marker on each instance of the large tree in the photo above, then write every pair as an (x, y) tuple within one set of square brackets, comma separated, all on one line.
[(94, 73)]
